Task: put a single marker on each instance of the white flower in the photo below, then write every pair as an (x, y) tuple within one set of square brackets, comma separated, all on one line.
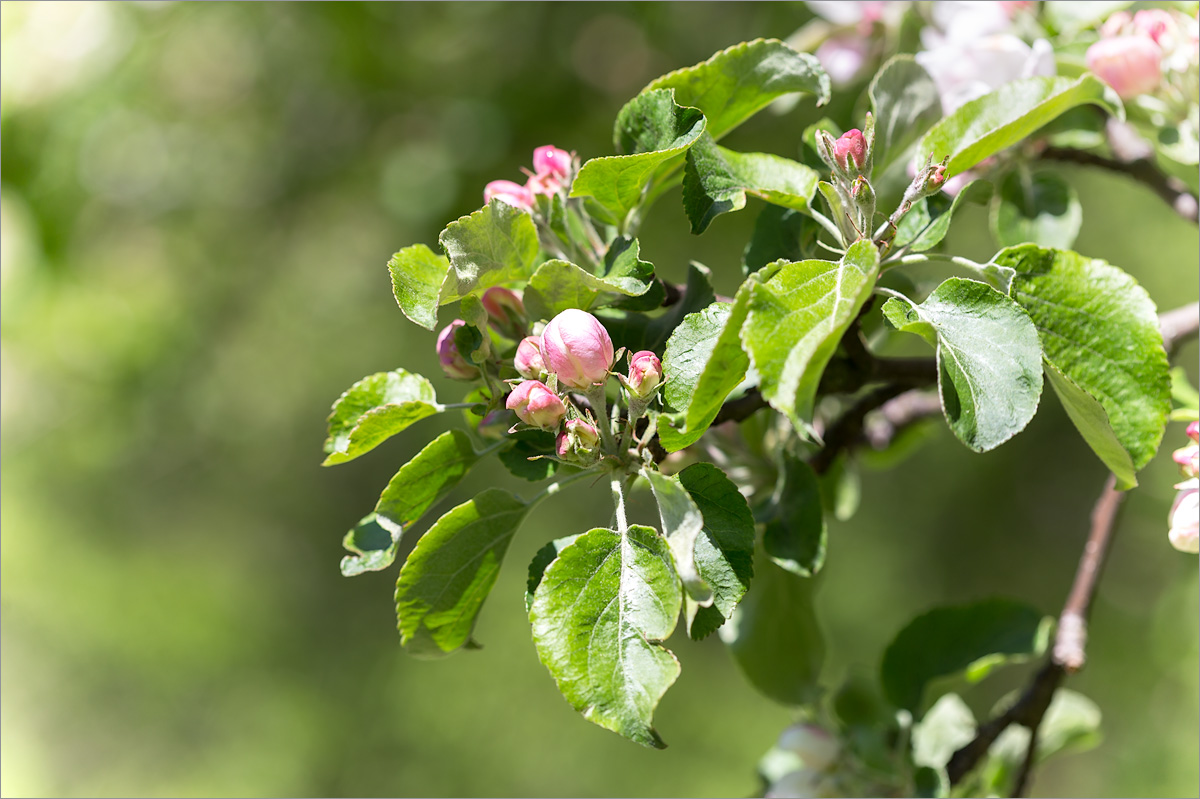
[(970, 53)]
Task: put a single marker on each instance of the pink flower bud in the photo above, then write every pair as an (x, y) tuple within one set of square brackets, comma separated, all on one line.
[(528, 360), (505, 310), (645, 373), (1193, 431), (1115, 24), (549, 160), (1184, 534), (1157, 25), (1132, 65), (536, 405), (576, 347), (577, 441), (1188, 459), (506, 191), (850, 152), (817, 747), (452, 361)]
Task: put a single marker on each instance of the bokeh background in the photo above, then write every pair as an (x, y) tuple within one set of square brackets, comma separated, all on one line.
[(198, 202)]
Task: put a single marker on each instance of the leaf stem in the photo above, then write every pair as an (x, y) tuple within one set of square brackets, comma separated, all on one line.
[(557, 486), (619, 504)]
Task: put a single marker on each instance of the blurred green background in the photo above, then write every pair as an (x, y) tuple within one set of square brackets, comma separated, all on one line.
[(198, 202)]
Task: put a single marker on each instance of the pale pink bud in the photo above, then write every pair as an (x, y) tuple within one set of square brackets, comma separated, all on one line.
[(506, 191), (1132, 65), (1193, 431), (1115, 24), (528, 359), (1184, 534), (452, 361), (1188, 459), (1013, 7), (645, 373), (577, 348), (1158, 25), (814, 745), (505, 310), (549, 160), (536, 405), (577, 440), (850, 152)]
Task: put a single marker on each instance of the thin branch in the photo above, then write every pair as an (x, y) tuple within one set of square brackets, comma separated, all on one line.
[(1172, 190), (1179, 325), (847, 430), (897, 414), (1070, 641)]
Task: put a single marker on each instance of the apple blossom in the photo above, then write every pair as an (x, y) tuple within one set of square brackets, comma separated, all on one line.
[(645, 373), (506, 191), (817, 747), (528, 359), (536, 405), (1132, 65), (1184, 534), (452, 361), (505, 310), (577, 348), (577, 441), (850, 152)]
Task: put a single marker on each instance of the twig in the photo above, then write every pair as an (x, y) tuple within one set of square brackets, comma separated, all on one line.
[(847, 429), (1172, 190), (897, 414), (1070, 641)]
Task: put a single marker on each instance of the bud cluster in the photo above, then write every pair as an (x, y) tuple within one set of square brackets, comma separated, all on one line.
[(850, 158), (553, 171), (1144, 52), (1184, 533)]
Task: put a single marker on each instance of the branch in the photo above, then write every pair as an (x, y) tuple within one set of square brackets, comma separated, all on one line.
[(847, 430), (1172, 190), (1070, 641)]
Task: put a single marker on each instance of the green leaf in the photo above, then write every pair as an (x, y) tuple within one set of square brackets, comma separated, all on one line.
[(417, 277), (374, 409), (1099, 331), (636, 331), (599, 615), (624, 268), (998, 120), (374, 548), (450, 572), (1071, 724), (955, 639), (716, 180), (541, 561), (1038, 207), (681, 524), (1073, 17), (795, 537), (947, 727), (496, 244), (559, 285), (774, 637), (654, 130), (906, 103), (989, 358), (724, 552), (924, 227), (425, 480), (705, 362), (740, 81), (796, 319), (529, 444), (780, 234)]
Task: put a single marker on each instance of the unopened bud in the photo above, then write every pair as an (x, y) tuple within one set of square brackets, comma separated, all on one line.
[(452, 361), (645, 373), (505, 311), (528, 359), (577, 348), (1188, 459), (506, 191), (549, 160), (536, 405), (850, 153), (1184, 534), (814, 745), (577, 441), (930, 179), (1132, 65)]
